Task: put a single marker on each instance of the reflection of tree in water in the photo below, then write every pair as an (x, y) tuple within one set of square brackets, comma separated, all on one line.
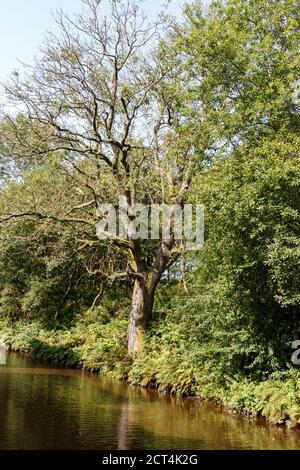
[(2, 355), (124, 426)]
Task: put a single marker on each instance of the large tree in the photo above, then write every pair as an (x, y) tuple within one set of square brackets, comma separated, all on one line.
[(103, 105)]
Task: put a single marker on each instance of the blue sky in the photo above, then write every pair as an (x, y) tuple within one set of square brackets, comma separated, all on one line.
[(23, 24)]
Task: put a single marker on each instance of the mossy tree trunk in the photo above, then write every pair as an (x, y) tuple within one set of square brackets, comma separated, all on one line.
[(143, 299), (139, 316)]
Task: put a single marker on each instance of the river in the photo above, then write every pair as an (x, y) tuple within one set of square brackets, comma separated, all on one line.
[(43, 407)]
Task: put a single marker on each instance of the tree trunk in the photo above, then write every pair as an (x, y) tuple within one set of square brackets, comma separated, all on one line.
[(143, 298), (142, 304)]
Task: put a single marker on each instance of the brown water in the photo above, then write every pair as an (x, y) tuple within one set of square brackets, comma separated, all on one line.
[(48, 408)]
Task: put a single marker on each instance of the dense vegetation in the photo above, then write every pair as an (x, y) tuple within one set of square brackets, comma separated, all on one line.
[(225, 332)]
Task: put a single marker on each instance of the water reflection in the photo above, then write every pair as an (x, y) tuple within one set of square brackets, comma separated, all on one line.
[(2, 355), (49, 408), (124, 426)]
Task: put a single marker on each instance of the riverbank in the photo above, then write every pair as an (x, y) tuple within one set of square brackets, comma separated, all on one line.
[(95, 344), (80, 411)]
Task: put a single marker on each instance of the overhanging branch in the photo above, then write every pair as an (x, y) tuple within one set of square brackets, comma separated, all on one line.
[(38, 215)]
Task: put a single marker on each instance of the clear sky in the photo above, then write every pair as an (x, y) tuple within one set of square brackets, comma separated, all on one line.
[(23, 24)]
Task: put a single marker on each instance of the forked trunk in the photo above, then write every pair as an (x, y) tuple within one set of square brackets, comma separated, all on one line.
[(142, 304)]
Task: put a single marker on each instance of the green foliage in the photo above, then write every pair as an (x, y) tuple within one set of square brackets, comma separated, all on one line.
[(96, 340), (46, 267)]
